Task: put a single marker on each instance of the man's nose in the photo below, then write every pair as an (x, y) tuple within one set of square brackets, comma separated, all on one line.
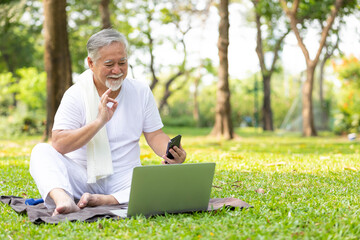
[(116, 69)]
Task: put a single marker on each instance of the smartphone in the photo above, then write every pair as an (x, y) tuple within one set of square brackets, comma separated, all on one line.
[(173, 142)]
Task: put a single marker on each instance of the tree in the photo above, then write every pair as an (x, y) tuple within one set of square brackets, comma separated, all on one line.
[(105, 13), (180, 15), (223, 124), (57, 57), (297, 12), (168, 16), (157, 24), (83, 20), (270, 13), (181, 71)]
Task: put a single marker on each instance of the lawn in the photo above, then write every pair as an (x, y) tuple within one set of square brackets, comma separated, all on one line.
[(300, 188)]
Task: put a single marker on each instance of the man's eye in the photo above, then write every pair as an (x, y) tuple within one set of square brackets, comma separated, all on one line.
[(109, 65)]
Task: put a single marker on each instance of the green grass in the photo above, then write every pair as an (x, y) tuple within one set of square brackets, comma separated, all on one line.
[(311, 191)]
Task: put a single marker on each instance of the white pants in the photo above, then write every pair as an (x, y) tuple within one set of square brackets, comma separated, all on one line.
[(50, 169)]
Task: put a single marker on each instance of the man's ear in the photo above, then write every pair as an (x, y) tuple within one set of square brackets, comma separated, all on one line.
[(90, 63)]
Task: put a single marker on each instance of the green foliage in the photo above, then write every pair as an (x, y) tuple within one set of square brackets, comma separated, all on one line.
[(181, 104), (310, 10), (349, 70), (27, 114), (179, 121), (22, 92), (168, 16), (347, 115), (31, 88), (310, 191), (6, 79), (207, 102), (274, 24), (21, 122), (19, 38), (209, 66), (84, 20), (17, 49), (10, 12), (314, 13), (151, 25)]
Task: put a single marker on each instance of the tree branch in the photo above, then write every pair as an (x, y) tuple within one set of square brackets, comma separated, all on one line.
[(277, 48), (325, 31), (293, 22), (155, 79), (259, 44)]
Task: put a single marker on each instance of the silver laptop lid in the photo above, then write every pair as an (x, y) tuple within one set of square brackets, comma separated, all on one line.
[(171, 188)]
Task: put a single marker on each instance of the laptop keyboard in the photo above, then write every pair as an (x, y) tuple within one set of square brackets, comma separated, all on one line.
[(120, 212)]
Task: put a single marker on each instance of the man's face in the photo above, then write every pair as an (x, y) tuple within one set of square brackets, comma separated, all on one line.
[(110, 69)]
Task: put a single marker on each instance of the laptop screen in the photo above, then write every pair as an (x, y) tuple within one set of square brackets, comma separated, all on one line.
[(171, 188)]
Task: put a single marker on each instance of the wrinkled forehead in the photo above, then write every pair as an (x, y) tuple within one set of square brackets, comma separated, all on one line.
[(115, 50)]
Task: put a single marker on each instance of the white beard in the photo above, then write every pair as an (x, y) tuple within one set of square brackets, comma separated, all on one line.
[(114, 85)]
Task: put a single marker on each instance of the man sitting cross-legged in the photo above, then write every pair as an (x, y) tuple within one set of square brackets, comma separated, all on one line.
[(97, 127)]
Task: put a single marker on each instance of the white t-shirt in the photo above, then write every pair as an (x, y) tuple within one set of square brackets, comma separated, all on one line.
[(136, 113)]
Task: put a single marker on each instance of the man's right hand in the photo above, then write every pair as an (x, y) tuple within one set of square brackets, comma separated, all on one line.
[(105, 112), (65, 141)]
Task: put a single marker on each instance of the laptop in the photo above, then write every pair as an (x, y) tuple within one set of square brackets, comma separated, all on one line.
[(174, 188)]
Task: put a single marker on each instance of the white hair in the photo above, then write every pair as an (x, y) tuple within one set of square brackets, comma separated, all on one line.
[(104, 38)]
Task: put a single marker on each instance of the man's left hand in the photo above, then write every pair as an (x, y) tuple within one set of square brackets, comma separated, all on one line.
[(178, 153)]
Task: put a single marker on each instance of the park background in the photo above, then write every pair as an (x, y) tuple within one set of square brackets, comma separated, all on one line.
[(173, 47), (235, 92)]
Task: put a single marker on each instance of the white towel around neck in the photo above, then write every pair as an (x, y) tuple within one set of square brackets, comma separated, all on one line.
[(99, 161)]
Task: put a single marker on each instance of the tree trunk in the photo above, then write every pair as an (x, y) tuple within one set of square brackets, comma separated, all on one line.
[(266, 73), (57, 57), (321, 81), (11, 69), (307, 109), (307, 114), (266, 110), (196, 110), (154, 80), (105, 13), (323, 108), (223, 124)]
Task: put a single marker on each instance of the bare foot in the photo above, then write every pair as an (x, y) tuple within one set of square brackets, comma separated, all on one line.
[(66, 207), (64, 203), (88, 200), (92, 200)]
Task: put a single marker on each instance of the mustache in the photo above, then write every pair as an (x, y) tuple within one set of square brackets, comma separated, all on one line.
[(115, 76)]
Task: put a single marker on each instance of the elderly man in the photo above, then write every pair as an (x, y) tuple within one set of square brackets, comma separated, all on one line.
[(95, 138)]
